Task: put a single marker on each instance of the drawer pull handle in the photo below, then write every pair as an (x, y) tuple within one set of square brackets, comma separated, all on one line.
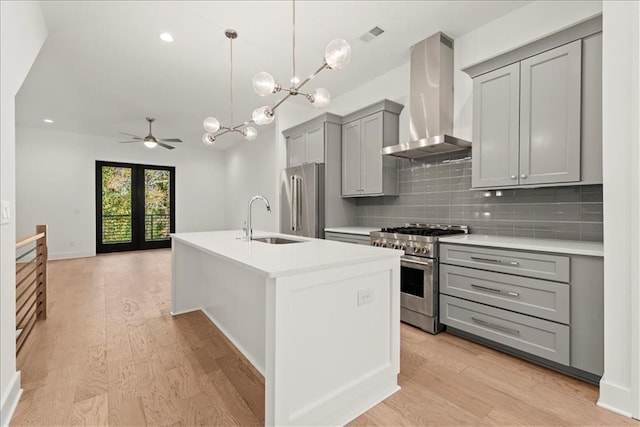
[(494, 326), (497, 291), (494, 261)]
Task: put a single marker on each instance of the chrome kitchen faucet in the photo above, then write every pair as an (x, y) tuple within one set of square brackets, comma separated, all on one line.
[(249, 229)]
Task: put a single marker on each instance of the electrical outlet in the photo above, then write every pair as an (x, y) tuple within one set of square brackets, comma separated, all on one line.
[(365, 296), (6, 212)]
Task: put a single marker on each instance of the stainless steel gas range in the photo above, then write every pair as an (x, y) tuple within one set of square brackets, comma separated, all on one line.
[(419, 269)]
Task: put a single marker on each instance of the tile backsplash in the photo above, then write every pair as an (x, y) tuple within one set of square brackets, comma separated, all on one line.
[(437, 190)]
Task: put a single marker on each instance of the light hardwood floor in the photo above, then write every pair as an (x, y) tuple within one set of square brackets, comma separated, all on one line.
[(110, 353)]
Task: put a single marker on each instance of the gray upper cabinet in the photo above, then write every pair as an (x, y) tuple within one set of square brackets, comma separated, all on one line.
[(537, 112), (319, 140), (496, 127), (305, 145), (365, 172), (526, 121), (550, 116)]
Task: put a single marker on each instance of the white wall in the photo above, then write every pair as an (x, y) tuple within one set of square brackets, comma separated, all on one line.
[(22, 34), (55, 179), (620, 385), (249, 171)]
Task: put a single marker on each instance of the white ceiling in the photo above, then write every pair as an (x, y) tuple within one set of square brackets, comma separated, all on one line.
[(103, 67)]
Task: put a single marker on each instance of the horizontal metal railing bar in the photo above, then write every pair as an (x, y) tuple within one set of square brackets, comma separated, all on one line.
[(28, 240), (22, 315), (21, 290), (18, 258), (26, 331), (24, 278)]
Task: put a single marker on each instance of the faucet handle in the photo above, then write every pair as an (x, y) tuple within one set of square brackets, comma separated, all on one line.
[(245, 226)]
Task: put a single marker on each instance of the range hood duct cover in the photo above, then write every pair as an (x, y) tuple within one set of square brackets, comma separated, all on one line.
[(430, 101)]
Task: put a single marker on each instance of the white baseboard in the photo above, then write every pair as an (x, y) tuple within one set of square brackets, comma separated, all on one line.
[(615, 398), (10, 399), (69, 255)]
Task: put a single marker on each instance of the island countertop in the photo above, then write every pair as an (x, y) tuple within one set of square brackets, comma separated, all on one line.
[(282, 260)]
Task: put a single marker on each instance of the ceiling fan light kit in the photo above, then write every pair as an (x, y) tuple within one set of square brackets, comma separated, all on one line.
[(212, 126)]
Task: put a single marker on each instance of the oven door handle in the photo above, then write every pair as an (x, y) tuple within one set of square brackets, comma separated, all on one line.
[(411, 262)]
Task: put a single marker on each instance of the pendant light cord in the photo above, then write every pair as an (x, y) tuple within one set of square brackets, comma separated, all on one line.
[(231, 80), (293, 82)]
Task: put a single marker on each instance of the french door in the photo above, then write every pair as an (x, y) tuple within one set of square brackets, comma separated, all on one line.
[(135, 206)]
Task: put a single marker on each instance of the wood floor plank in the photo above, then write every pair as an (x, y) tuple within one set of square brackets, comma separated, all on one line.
[(249, 386), (127, 414), (91, 412), (111, 353)]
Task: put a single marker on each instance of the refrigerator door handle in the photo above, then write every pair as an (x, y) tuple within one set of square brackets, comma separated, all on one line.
[(298, 202), (294, 203)]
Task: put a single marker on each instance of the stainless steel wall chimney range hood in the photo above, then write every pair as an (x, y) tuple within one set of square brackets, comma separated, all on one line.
[(430, 101)]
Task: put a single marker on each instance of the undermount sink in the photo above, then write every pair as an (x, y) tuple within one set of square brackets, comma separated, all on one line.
[(276, 240)]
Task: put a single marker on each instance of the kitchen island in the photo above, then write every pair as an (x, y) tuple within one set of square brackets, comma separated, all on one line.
[(320, 320)]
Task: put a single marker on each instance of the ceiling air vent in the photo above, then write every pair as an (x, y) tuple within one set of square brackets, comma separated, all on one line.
[(371, 34)]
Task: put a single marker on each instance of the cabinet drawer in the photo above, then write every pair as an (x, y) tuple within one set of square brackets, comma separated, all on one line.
[(538, 337), (531, 264), (540, 298), (347, 238)]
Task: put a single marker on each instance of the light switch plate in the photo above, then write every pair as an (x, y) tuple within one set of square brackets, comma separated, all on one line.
[(5, 215)]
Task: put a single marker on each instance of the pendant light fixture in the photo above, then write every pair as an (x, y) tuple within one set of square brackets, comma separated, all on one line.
[(212, 125), (336, 56)]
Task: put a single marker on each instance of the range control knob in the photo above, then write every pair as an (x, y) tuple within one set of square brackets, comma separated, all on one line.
[(425, 251)]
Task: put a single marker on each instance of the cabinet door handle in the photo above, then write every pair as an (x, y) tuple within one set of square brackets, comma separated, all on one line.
[(495, 326), (514, 177), (523, 176), (494, 261), (497, 291)]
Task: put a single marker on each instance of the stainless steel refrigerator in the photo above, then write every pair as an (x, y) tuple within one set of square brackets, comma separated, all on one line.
[(302, 200)]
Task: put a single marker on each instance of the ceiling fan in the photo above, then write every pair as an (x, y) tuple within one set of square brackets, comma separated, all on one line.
[(151, 141)]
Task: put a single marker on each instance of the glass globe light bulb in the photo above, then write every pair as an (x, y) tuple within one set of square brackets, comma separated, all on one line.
[(211, 124), (150, 144), (208, 139), (262, 115), (337, 54), (320, 97), (250, 133), (264, 83)]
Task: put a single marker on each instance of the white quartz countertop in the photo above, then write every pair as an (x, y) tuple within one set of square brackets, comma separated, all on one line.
[(363, 231), (571, 247), (282, 260)]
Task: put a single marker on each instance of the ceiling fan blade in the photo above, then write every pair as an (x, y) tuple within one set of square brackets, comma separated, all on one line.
[(131, 135), (170, 139), (167, 146), (127, 142)]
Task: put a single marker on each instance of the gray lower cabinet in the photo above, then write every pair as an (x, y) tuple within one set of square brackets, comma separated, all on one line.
[(348, 238), (365, 171), (542, 306), (536, 122)]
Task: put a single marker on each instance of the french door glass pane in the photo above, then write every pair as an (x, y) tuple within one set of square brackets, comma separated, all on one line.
[(157, 203), (116, 204)]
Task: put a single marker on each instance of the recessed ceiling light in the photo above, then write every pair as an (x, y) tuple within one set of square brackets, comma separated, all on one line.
[(166, 37), (47, 121)]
